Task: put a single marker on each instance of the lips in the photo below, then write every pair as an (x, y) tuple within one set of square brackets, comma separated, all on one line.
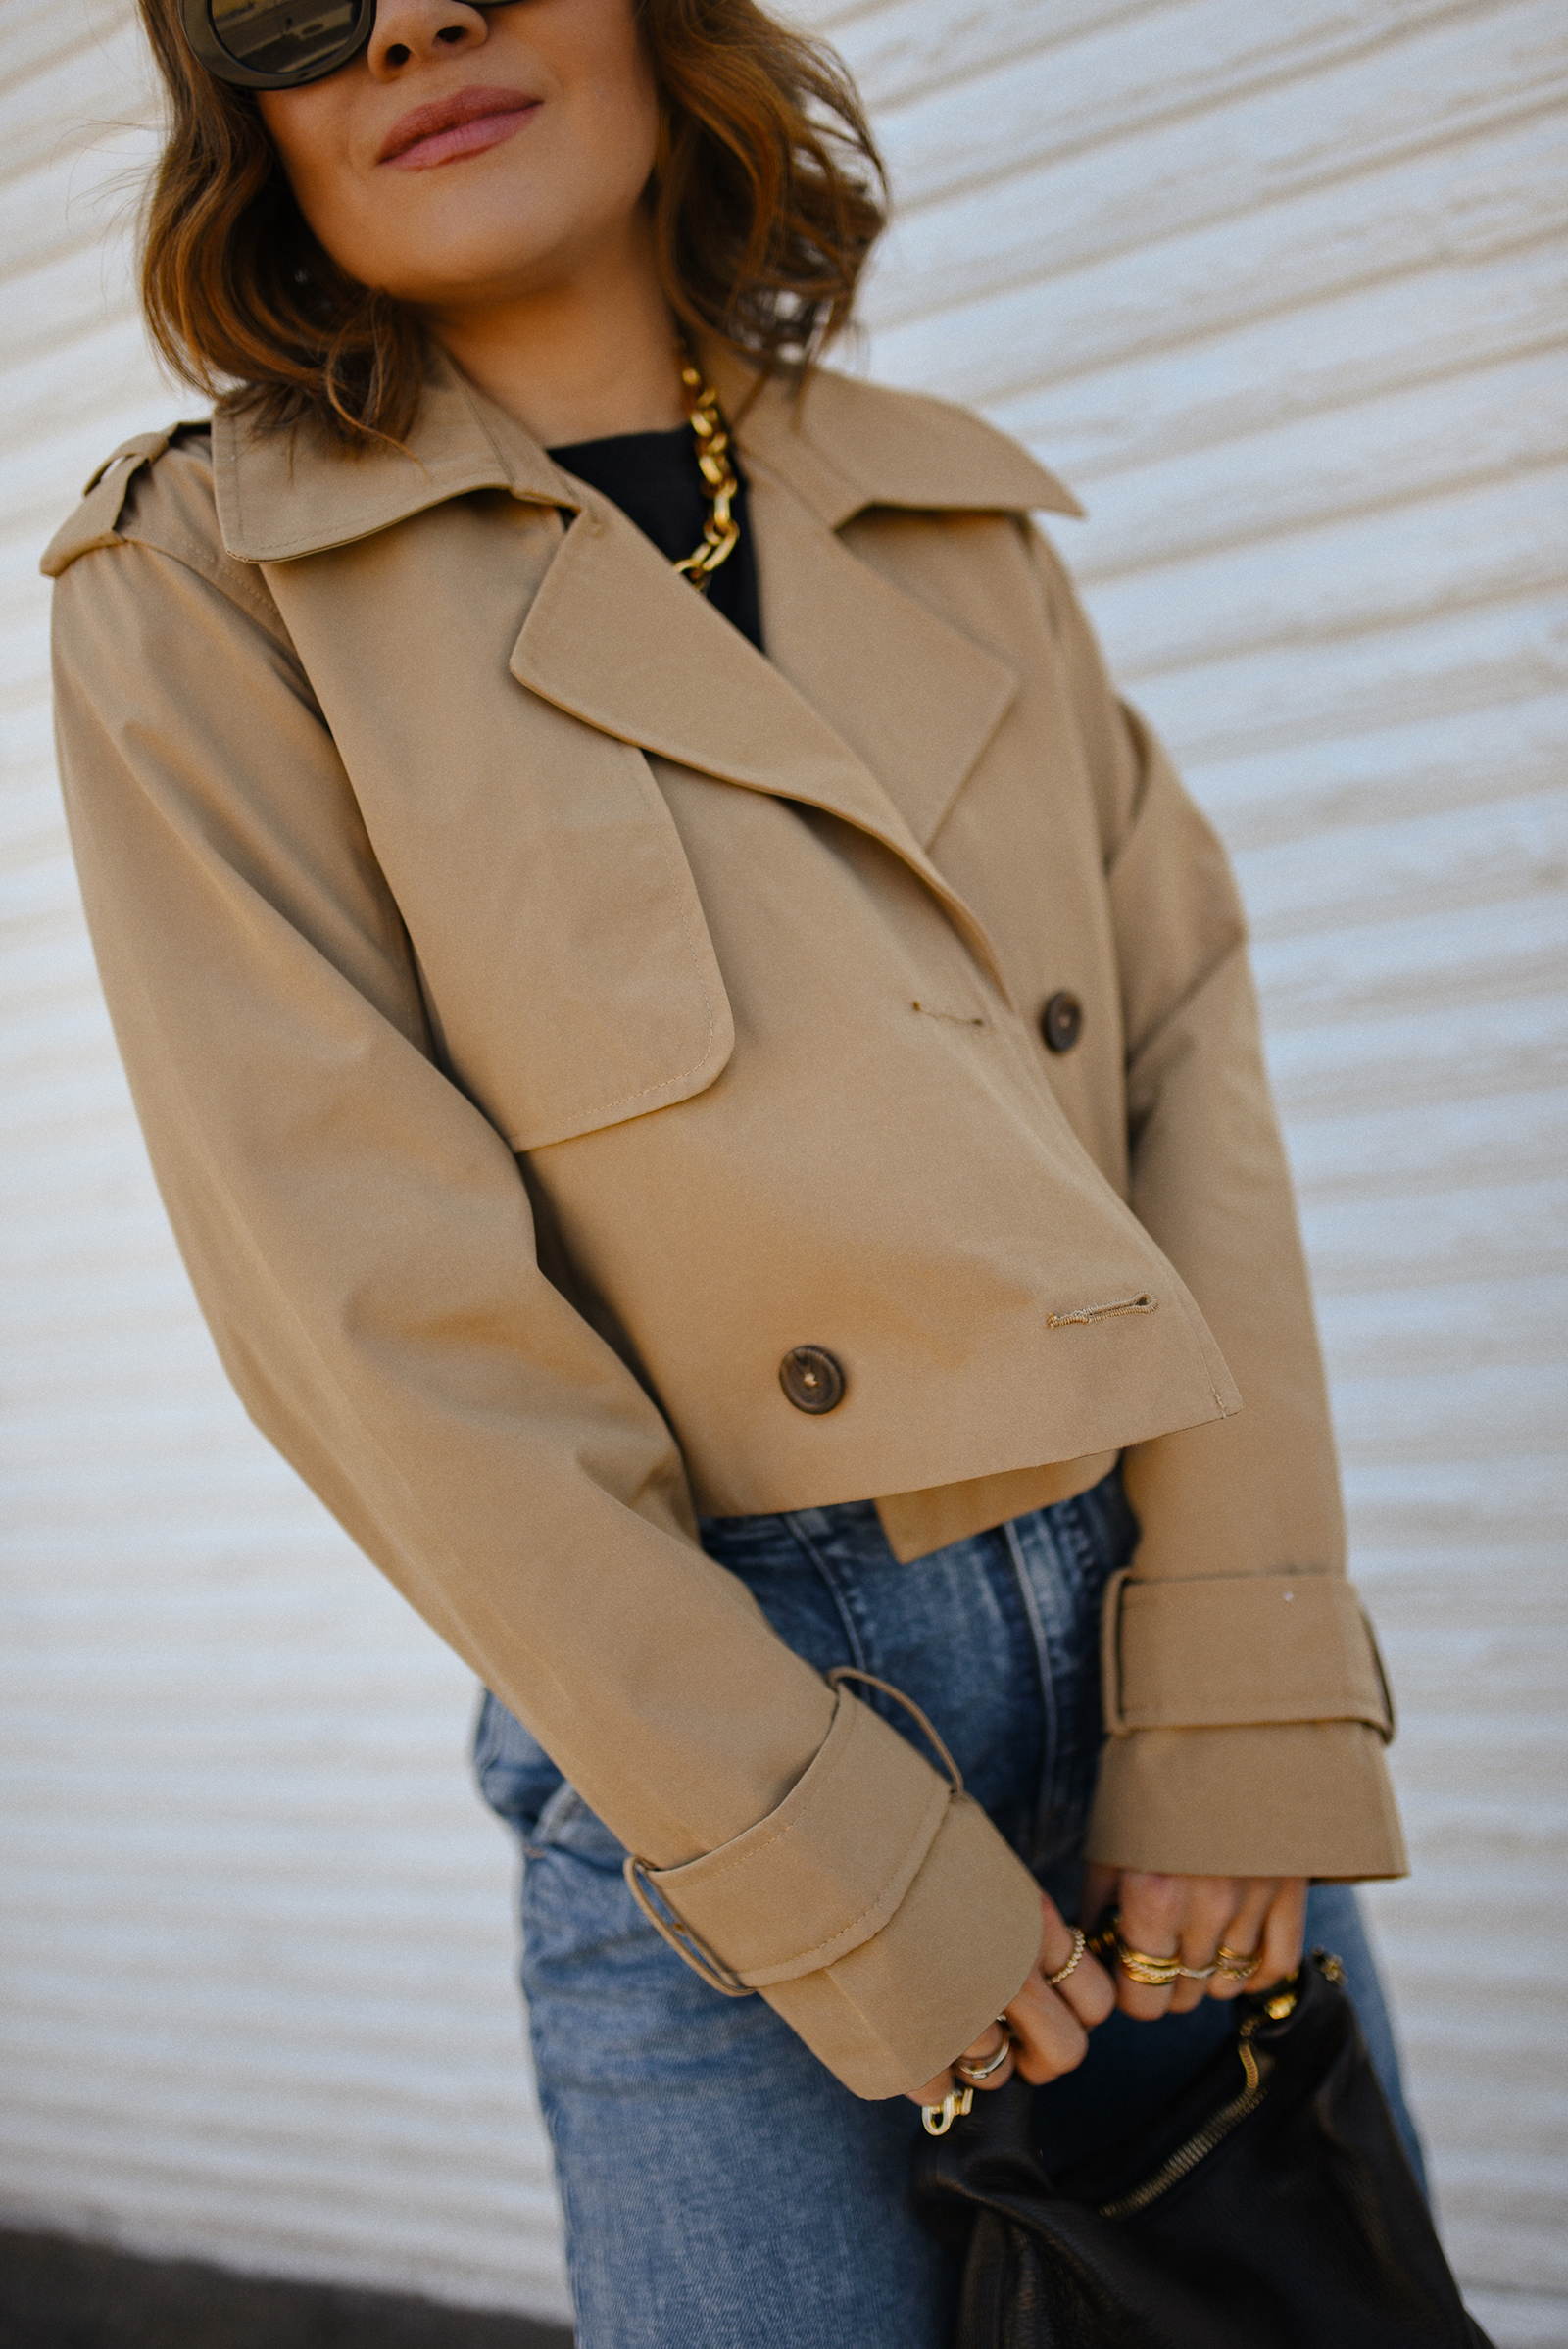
[(465, 123)]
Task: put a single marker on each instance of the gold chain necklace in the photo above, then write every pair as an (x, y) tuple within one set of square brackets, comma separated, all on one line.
[(721, 531)]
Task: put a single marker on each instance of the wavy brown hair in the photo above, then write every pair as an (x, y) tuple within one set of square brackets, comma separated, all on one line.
[(767, 194)]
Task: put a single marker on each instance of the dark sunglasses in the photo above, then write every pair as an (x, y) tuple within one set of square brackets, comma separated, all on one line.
[(280, 44)]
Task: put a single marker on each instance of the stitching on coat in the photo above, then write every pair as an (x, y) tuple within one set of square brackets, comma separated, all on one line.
[(1310, 1704), (193, 557), (744, 1859), (790, 1826), (924, 1836), (959, 1019), (1141, 1303), (935, 1813)]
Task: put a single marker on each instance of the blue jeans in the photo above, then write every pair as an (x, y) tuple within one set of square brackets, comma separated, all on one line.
[(721, 2190)]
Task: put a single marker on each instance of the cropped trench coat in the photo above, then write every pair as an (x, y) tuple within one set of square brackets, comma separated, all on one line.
[(546, 1013)]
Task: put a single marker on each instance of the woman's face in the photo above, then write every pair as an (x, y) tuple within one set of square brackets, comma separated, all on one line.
[(475, 157)]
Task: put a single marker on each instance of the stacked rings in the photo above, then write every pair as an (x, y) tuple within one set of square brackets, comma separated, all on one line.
[(1158, 1973), (1152, 1972)]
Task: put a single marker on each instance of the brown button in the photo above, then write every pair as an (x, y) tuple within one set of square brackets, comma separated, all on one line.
[(811, 1378), (1061, 1022)]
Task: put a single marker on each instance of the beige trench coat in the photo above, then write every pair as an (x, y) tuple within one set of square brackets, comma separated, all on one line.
[(545, 1013)]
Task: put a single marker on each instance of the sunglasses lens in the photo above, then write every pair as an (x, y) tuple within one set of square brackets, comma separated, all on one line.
[(301, 38)]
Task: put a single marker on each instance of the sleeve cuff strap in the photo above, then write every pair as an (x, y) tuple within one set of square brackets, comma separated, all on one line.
[(1288, 1798), (826, 1870), (1235, 1650)]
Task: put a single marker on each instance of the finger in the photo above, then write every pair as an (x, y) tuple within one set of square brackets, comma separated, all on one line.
[(980, 2051), (1208, 1905), (998, 2080), (983, 2053), (1048, 2029), (1244, 1934), (1283, 1931), (1102, 1891), (1151, 1923), (1084, 1986), (934, 2090), (1048, 2038)]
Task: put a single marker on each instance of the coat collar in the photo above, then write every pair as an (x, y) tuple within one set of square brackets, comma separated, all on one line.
[(841, 448), (867, 704), (284, 495)]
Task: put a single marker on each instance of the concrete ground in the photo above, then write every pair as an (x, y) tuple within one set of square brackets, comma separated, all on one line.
[(59, 2293)]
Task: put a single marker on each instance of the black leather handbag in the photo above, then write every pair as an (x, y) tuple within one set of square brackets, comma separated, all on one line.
[(1270, 2206)]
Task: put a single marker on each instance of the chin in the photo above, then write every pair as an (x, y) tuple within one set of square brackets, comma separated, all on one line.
[(457, 263)]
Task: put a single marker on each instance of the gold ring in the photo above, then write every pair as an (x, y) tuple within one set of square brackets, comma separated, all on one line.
[(974, 2073), (1079, 1945), (1231, 1966), (1152, 1972)]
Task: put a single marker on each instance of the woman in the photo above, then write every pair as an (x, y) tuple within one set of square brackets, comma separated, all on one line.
[(705, 1073)]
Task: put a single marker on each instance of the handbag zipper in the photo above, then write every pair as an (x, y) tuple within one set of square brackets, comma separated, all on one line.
[(1186, 2157)]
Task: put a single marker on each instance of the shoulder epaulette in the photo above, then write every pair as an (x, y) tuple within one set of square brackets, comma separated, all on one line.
[(94, 525)]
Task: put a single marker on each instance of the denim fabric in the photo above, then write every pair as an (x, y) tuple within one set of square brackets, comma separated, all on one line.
[(721, 2190)]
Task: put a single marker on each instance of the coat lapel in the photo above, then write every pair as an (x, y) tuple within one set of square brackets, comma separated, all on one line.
[(914, 700), (617, 639)]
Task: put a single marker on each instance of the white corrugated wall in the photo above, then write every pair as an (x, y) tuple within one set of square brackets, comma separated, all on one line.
[(1282, 291), (255, 1947)]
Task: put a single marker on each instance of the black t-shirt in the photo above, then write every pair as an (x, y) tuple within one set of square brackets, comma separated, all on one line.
[(653, 478)]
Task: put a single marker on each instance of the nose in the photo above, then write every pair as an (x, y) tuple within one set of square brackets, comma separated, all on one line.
[(417, 33)]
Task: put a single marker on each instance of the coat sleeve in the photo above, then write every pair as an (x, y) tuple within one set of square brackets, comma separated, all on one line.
[(1245, 1702), (360, 1240)]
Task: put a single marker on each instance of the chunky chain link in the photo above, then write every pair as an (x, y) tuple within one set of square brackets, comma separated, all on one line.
[(721, 531)]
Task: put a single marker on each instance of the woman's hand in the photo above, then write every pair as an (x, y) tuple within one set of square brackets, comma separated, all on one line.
[(1047, 2027), (1192, 1917)]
